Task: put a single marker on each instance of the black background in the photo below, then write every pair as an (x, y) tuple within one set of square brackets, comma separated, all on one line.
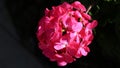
[(18, 43)]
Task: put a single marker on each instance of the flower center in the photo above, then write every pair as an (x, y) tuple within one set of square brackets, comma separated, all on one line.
[(79, 19), (64, 31)]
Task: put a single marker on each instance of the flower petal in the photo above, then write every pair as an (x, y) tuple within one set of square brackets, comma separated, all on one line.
[(83, 52), (62, 63), (78, 6), (59, 47), (92, 25)]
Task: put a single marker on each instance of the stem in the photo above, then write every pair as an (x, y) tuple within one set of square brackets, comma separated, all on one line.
[(89, 8), (93, 4)]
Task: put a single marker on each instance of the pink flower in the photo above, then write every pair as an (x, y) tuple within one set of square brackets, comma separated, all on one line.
[(60, 45), (65, 32), (77, 5), (92, 25)]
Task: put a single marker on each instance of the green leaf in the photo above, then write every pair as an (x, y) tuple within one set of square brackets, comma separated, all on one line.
[(90, 13), (98, 7)]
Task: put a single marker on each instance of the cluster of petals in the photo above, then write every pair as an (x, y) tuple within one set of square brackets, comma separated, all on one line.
[(65, 32)]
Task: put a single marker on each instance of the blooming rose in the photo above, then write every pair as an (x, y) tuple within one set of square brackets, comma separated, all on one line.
[(65, 32)]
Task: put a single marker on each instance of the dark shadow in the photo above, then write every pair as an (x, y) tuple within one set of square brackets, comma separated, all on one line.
[(25, 15)]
